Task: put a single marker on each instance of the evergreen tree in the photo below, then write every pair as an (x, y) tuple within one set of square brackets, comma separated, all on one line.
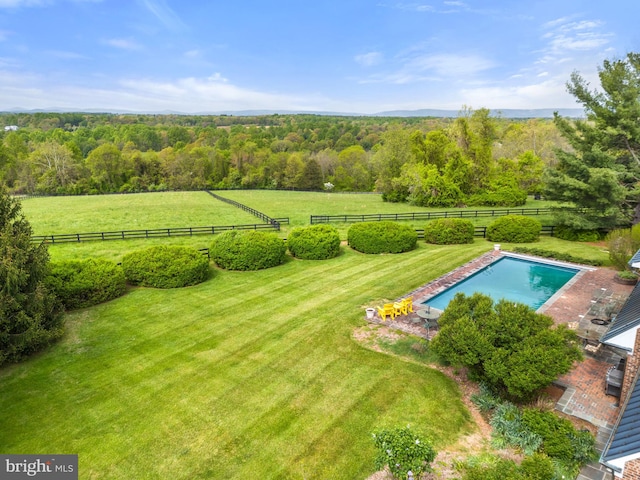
[(30, 315), (601, 171)]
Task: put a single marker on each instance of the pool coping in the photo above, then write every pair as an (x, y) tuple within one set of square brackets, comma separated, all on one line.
[(448, 280)]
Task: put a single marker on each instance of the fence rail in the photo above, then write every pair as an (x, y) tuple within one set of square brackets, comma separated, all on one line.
[(463, 213), (252, 211), (482, 231), (150, 233)]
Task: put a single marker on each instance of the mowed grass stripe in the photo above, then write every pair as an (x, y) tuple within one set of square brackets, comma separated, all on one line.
[(214, 381)]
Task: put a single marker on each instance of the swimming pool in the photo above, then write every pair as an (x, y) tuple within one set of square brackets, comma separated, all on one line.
[(515, 279)]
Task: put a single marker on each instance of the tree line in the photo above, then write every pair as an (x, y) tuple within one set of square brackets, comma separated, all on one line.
[(426, 161)]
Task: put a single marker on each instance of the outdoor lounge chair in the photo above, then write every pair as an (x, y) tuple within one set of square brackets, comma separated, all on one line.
[(387, 309)]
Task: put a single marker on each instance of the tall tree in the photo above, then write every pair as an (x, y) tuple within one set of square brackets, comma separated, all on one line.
[(602, 171), (30, 315)]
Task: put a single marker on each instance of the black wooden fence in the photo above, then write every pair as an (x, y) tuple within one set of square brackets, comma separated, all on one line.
[(260, 215), (482, 231), (153, 233), (463, 213)]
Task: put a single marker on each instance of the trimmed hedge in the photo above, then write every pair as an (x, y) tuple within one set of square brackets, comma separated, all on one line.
[(567, 233), (83, 283), (382, 237), (567, 257), (449, 231), (166, 267), (514, 229), (247, 250), (317, 242)]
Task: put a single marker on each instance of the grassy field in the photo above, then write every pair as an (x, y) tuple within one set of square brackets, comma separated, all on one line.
[(299, 206), (248, 375), (103, 213), (51, 215)]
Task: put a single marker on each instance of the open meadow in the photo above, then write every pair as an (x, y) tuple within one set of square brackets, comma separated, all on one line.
[(57, 215), (105, 213), (247, 375)]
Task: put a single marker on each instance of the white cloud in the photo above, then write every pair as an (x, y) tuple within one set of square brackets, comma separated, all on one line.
[(21, 3), (188, 95), (369, 59), (164, 13), (450, 65), (64, 55), (123, 43)]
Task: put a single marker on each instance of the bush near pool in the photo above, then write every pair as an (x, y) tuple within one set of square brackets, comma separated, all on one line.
[(83, 283), (317, 242), (514, 229), (166, 267), (247, 250), (382, 237), (449, 231)]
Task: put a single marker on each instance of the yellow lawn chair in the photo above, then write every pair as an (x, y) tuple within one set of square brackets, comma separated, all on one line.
[(400, 308), (408, 303), (387, 309)]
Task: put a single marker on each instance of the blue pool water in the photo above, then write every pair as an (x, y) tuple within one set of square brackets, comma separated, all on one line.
[(514, 279)]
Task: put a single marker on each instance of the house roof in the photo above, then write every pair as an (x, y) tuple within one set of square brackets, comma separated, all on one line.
[(635, 260), (625, 439), (628, 317)]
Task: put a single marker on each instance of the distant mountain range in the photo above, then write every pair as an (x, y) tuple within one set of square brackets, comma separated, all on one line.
[(504, 113)]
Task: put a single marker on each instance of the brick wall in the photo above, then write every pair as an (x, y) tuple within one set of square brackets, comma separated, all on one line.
[(632, 470), (631, 369)]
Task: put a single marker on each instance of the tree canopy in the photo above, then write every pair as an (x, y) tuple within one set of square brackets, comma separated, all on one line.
[(508, 345), (601, 170), (30, 315)]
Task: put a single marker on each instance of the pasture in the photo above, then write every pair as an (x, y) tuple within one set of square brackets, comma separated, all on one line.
[(54, 215), (102, 213)]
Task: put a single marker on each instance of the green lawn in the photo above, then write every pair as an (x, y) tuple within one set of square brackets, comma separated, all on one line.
[(299, 206), (102, 213), (248, 375)]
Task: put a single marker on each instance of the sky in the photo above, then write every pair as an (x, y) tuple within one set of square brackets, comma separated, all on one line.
[(350, 56)]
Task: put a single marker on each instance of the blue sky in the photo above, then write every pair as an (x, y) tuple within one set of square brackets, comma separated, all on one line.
[(343, 56)]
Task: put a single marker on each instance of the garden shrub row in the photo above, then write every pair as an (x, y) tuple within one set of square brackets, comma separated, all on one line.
[(537, 432), (514, 229), (382, 237), (566, 257), (449, 231), (247, 250), (567, 233), (83, 283), (165, 267), (317, 242)]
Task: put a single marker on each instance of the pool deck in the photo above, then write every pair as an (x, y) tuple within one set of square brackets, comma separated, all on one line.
[(584, 396)]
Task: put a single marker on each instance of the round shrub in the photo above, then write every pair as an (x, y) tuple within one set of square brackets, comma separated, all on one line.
[(317, 242), (382, 237), (166, 267), (83, 283), (449, 231), (247, 250), (514, 229)]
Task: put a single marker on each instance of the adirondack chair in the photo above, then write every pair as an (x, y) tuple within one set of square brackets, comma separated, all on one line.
[(400, 308), (387, 309), (408, 303)]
